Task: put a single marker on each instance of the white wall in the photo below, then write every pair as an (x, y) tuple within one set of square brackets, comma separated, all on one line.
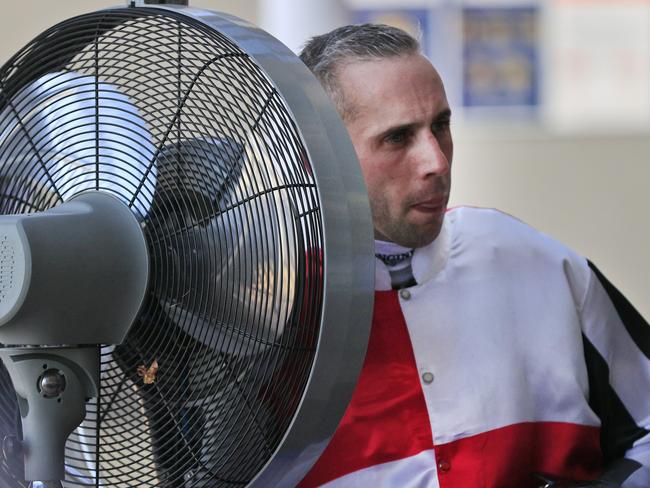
[(22, 20)]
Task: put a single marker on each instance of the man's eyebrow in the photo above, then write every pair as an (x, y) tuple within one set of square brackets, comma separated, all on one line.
[(444, 114), (394, 129)]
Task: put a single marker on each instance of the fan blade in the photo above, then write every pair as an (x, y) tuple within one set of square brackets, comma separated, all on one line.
[(242, 256), (82, 134)]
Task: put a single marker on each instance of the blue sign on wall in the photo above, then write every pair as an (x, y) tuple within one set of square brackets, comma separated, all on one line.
[(500, 57)]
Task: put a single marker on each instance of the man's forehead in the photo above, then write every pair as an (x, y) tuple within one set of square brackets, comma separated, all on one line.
[(393, 86)]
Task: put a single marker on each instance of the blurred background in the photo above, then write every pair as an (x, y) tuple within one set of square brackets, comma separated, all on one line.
[(551, 102)]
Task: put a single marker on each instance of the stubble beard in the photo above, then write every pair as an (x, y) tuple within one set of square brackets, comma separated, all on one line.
[(399, 230)]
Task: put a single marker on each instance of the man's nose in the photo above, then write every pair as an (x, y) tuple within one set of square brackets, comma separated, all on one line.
[(431, 159)]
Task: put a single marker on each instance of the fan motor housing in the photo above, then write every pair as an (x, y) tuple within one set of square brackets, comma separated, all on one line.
[(61, 266)]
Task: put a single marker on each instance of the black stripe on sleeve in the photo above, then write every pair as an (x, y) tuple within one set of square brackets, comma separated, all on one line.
[(635, 324), (618, 430)]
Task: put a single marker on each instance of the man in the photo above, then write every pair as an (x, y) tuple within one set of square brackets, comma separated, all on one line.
[(498, 358)]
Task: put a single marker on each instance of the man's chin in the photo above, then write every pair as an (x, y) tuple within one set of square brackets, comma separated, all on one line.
[(424, 240), (412, 237)]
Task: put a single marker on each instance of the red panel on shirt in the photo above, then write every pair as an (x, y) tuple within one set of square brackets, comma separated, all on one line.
[(387, 417), (506, 457)]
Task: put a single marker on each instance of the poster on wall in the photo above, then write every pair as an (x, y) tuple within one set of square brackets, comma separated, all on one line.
[(415, 21), (501, 66), (598, 76)]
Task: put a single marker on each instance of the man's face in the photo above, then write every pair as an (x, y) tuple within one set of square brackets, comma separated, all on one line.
[(399, 125)]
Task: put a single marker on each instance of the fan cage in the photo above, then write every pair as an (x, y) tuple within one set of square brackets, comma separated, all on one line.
[(174, 119)]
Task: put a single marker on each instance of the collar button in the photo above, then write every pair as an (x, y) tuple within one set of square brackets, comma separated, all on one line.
[(405, 294)]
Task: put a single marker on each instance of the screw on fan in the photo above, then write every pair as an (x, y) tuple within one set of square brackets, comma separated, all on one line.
[(51, 383)]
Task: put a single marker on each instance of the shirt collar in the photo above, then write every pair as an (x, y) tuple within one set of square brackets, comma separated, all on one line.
[(427, 261)]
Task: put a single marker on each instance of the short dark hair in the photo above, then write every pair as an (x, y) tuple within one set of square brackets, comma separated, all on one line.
[(326, 54)]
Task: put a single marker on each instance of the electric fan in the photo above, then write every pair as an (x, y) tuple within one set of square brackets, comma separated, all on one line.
[(186, 262)]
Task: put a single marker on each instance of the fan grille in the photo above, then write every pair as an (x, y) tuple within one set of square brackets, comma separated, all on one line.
[(186, 129)]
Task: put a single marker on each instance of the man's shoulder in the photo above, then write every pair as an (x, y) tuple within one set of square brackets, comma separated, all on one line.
[(484, 214), (491, 222), (498, 242), (494, 229)]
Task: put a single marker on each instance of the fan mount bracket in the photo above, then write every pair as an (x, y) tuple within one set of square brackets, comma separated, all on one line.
[(52, 385)]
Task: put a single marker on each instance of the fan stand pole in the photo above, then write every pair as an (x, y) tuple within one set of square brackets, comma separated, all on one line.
[(52, 386)]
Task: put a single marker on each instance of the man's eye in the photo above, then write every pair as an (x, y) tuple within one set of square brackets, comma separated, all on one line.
[(398, 137), (441, 125)]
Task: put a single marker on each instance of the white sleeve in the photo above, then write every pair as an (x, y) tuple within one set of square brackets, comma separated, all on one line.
[(617, 352)]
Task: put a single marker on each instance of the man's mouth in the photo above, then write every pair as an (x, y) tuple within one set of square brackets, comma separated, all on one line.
[(433, 205)]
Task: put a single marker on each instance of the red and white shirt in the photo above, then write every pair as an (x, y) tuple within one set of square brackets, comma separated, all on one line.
[(511, 355)]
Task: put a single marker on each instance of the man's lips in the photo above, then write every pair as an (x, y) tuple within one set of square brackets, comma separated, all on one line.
[(432, 205)]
